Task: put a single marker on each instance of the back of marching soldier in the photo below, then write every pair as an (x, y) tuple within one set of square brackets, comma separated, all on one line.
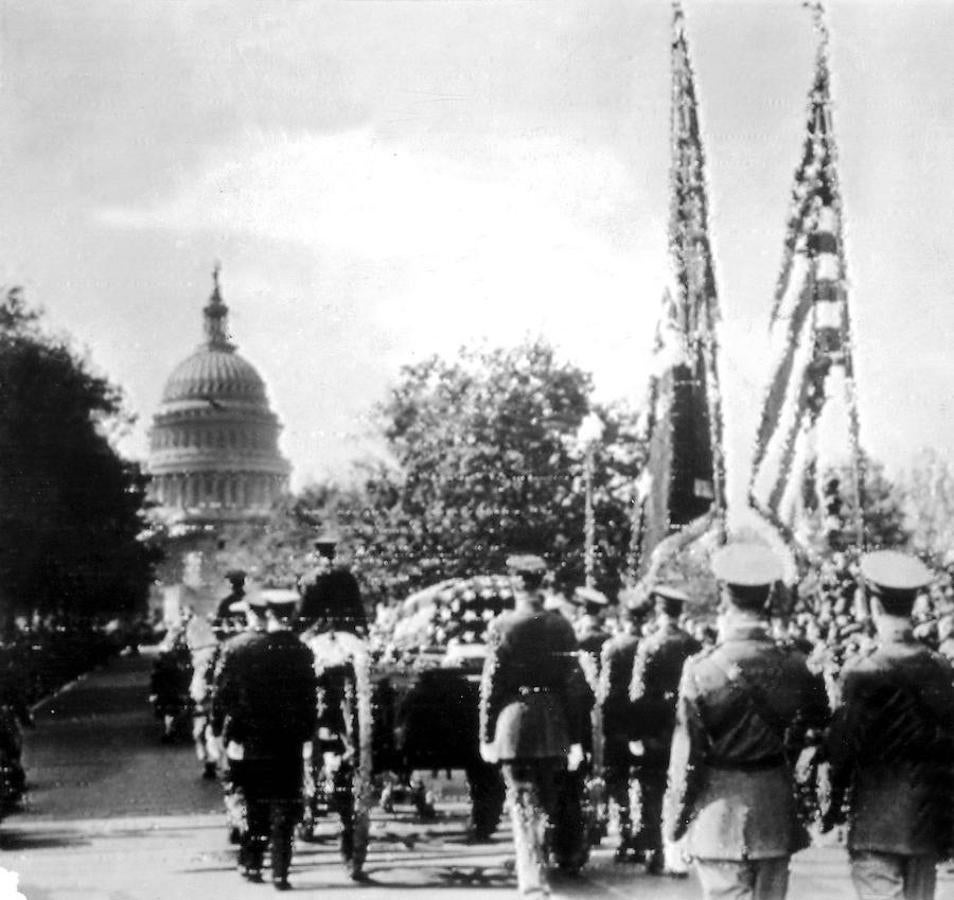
[(657, 670), (616, 673), (746, 709), (264, 709), (531, 717), (891, 744)]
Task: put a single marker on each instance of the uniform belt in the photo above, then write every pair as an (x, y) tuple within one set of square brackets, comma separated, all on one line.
[(526, 689), (749, 765)]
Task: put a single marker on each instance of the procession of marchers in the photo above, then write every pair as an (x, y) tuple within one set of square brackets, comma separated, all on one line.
[(731, 692), (728, 743)]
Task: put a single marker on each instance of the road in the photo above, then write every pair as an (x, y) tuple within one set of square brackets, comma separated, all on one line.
[(114, 815)]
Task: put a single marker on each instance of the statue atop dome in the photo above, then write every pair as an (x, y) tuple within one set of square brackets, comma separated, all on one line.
[(217, 316)]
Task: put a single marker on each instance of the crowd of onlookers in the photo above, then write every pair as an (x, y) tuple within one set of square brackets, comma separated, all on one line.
[(37, 658)]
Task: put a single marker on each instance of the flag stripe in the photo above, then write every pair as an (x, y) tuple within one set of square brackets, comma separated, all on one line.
[(783, 374)]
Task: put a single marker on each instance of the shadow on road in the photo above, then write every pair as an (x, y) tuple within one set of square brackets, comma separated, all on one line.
[(12, 840)]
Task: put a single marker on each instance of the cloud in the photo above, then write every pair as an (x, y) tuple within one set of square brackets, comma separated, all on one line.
[(534, 234), (417, 249)]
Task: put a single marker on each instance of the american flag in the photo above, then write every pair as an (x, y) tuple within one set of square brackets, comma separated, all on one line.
[(809, 423), (684, 477)]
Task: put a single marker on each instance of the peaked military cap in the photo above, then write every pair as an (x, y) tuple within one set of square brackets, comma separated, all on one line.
[(670, 593), (526, 562), (746, 565), (590, 597), (889, 570), (635, 598), (235, 575)]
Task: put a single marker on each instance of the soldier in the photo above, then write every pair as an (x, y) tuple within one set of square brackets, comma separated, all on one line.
[(532, 720), (616, 673), (265, 709), (657, 670), (891, 744), (590, 633), (230, 607), (330, 593), (250, 618), (746, 709)]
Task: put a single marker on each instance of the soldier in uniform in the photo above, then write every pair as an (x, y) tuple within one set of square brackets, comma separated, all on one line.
[(532, 719), (657, 670), (230, 607), (616, 673), (590, 633), (891, 744), (746, 709), (330, 593), (265, 709)]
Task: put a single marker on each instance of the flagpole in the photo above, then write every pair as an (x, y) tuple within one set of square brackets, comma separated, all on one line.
[(851, 400)]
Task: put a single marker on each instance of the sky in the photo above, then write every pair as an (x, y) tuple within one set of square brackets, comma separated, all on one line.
[(386, 179)]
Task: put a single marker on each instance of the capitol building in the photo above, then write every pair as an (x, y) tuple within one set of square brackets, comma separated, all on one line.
[(213, 449)]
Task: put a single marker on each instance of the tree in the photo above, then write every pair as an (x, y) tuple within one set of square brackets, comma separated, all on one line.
[(485, 465), (71, 509), (929, 503), (272, 550), (832, 527)]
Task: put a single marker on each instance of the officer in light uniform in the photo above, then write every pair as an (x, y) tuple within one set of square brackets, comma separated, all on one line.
[(746, 709), (532, 718), (657, 670), (891, 744)]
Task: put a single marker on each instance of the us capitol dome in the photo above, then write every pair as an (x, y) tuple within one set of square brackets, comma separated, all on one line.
[(213, 447)]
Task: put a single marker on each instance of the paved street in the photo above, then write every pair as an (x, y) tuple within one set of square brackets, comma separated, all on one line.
[(114, 814)]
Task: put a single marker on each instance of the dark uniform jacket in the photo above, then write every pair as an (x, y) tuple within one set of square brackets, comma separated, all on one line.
[(657, 670), (265, 696), (533, 702), (616, 673), (745, 709), (891, 745), (334, 597), (591, 638), (224, 611)]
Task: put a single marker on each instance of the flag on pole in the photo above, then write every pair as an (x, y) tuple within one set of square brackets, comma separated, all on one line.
[(683, 488), (809, 423)]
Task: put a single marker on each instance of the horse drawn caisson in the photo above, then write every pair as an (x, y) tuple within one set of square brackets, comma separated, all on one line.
[(406, 702)]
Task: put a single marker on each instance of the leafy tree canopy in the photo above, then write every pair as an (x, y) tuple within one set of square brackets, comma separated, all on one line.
[(71, 509), (487, 463)]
